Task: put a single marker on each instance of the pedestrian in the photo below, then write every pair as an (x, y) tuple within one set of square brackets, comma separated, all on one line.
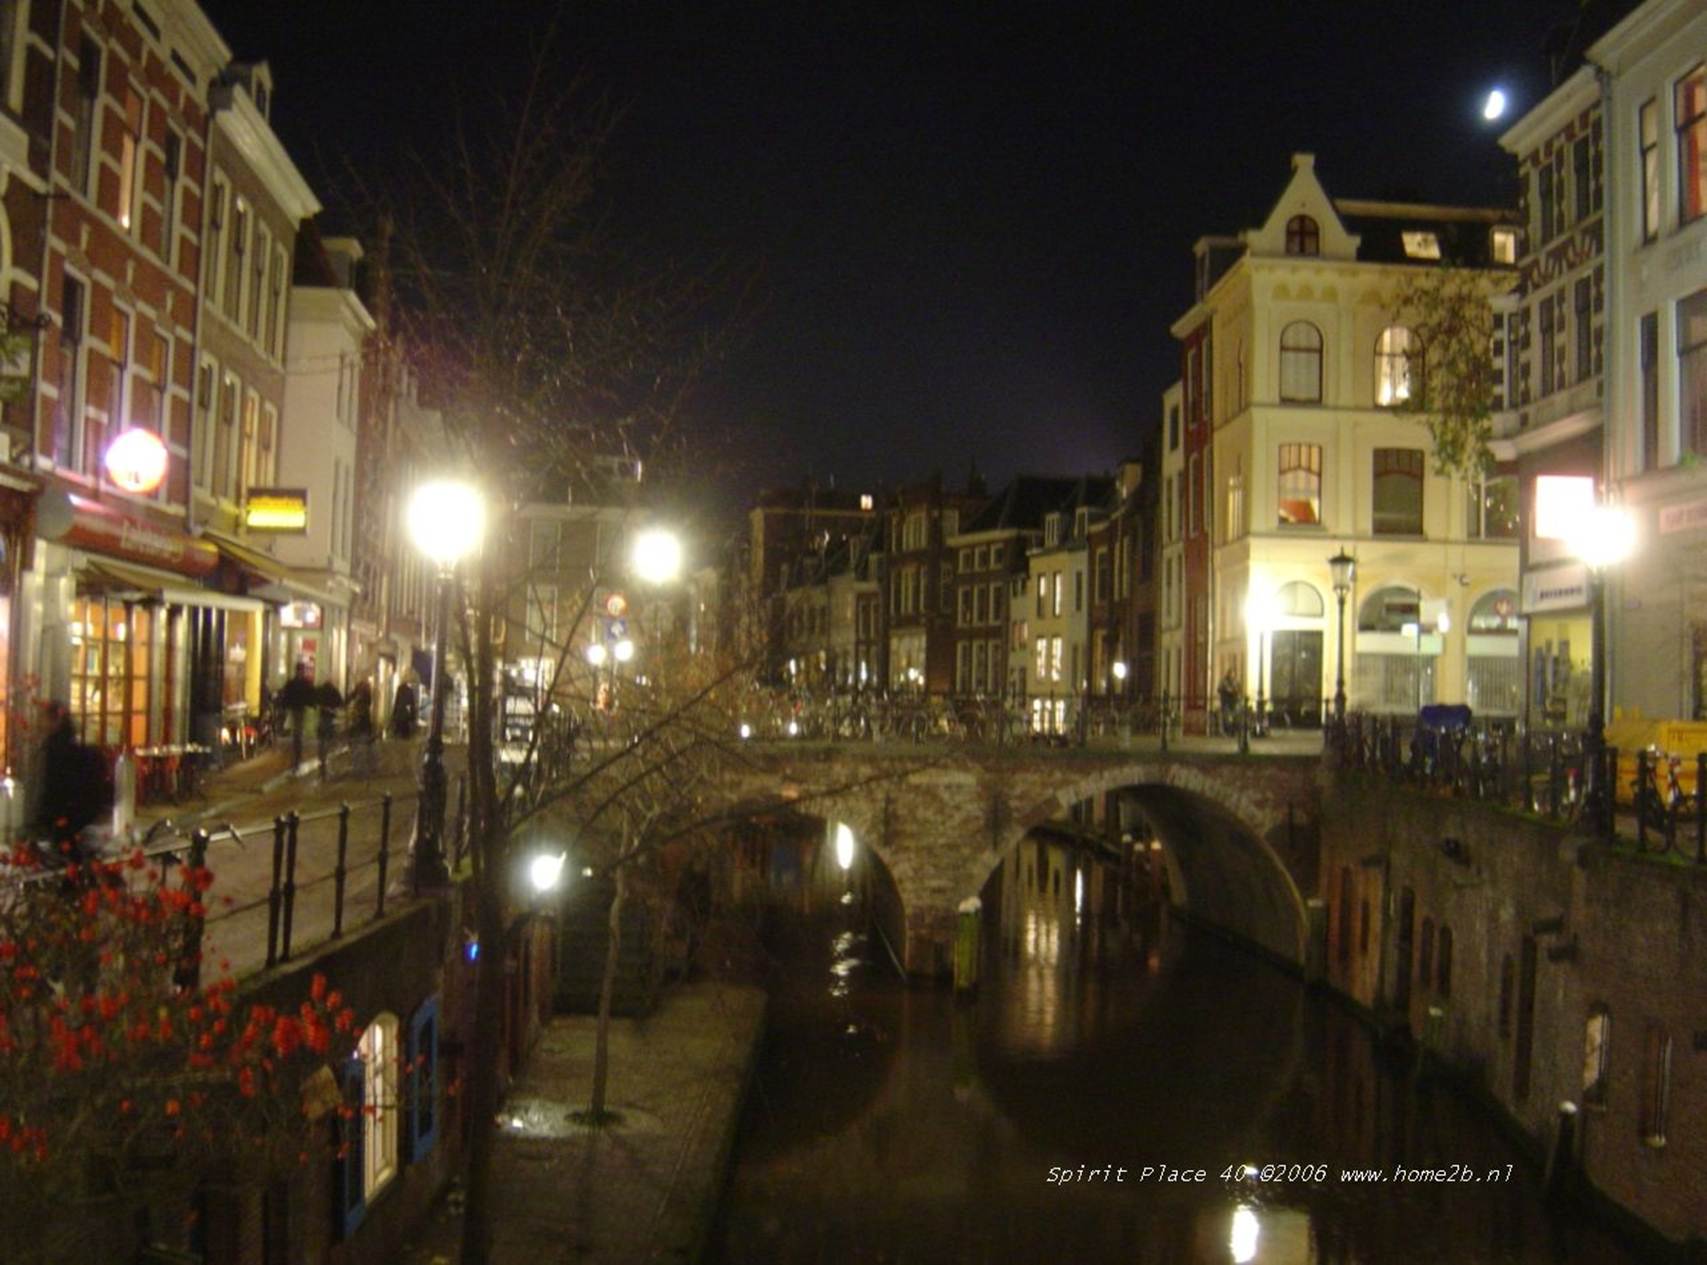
[(329, 701), (1229, 694), (403, 708), (296, 697), (360, 730), (76, 786)]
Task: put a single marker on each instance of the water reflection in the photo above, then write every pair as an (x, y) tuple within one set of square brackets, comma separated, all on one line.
[(895, 1125)]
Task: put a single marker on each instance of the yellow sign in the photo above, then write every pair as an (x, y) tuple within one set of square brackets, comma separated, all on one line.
[(277, 509)]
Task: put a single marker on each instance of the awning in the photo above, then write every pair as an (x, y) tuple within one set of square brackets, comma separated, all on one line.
[(285, 584), (145, 584)]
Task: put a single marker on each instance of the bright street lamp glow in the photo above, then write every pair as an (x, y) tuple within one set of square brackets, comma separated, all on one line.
[(1494, 106), (1259, 610), (746, 730), (545, 871), (657, 556), (1604, 536), (794, 729), (1119, 669), (446, 520), (623, 650), (844, 845), (1242, 1244), (596, 655)]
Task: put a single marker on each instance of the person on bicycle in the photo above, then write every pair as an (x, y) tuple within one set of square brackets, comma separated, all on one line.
[(296, 697), (361, 731), (330, 702)]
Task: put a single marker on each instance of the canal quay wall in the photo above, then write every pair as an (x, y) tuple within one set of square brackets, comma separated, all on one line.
[(1543, 966)]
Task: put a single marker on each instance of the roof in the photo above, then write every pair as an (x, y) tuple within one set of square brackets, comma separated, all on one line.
[(1022, 504), (1463, 233)]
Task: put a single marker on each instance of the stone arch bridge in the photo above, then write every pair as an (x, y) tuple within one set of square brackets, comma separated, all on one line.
[(1240, 832)]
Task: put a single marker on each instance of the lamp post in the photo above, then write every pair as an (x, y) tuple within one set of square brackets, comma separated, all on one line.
[(446, 520), (1259, 609), (1604, 537), (1343, 568)]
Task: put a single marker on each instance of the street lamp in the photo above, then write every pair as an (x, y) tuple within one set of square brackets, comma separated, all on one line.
[(446, 520), (1259, 613), (1602, 538), (1343, 568), (656, 557)]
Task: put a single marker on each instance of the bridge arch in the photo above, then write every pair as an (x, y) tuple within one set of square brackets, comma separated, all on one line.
[(1236, 857)]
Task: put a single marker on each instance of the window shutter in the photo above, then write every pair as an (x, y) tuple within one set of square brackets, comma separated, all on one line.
[(423, 1080), (348, 1169)]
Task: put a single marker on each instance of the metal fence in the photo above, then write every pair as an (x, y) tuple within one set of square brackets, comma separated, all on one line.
[(1649, 798)]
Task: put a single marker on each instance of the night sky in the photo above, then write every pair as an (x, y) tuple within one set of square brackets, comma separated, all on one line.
[(971, 223)]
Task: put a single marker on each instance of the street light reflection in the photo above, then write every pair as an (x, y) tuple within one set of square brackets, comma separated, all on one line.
[(1243, 1241)]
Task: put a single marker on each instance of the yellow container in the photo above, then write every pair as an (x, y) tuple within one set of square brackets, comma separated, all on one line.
[(1662, 739)]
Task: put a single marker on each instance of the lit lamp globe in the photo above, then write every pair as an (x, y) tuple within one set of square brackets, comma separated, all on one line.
[(1119, 669), (446, 519), (657, 556), (136, 461), (1605, 536)]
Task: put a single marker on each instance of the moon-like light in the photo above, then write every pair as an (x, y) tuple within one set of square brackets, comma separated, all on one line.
[(1495, 105)]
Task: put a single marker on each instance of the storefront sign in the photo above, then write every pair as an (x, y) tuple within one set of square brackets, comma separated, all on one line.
[(276, 509), (300, 615), (82, 524), (1686, 517), (1555, 589)]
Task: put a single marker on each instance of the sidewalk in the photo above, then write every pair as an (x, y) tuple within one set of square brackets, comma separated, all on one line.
[(643, 1190), (246, 797)]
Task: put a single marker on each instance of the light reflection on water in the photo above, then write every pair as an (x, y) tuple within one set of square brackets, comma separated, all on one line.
[(904, 1125)]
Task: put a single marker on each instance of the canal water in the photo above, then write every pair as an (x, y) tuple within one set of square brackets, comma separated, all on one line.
[(1120, 1089)]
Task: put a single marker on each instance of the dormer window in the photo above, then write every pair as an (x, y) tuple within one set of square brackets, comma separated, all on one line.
[(1081, 523), (1420, 245), (1051, 531), (1504, 245), (1303, 236)]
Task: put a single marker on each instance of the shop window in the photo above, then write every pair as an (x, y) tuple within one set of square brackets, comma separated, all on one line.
[(109, 679)]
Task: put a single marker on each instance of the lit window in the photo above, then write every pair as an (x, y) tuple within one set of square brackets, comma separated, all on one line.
[(1597, 1034), (1054, 658), (1505, 245), (1420, 245), (865, 501), (1299, 491), (1397, 359), (130, 165), (1650, 139)]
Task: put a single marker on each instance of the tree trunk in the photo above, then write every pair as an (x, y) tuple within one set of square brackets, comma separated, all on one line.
[(485, 1051), (607, 986)]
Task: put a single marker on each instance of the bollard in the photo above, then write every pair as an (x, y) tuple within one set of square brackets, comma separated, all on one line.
[(291, 823), (339, 873), (384, 850), (1642, 769), (968, 932), (188, 974), (273, 893)]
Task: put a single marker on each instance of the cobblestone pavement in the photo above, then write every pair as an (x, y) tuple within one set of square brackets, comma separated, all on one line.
[(642, 1190)]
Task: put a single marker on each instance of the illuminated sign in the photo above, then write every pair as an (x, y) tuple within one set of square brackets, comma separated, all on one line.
[(136, 461), (299, 615), (276, 509), (616, 606), (1561, 504)]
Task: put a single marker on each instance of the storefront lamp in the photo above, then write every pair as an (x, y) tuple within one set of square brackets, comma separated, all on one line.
[(136, 461)]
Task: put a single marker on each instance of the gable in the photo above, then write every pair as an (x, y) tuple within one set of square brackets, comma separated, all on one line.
[(1303, 195)]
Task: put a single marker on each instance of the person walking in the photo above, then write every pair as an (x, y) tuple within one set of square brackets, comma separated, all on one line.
[(363, 757), (1228, 691), (75, 786), (329, 701), (296, 696), (404, 708)]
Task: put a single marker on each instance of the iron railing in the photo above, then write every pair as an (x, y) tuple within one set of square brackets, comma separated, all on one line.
[(1636, 798)]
